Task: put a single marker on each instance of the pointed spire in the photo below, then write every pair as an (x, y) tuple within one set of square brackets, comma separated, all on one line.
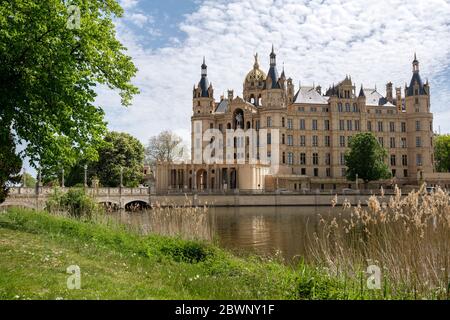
[(415, 64), (273, 57), (361, 92)]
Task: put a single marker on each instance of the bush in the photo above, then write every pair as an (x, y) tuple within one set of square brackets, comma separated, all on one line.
[(75, 202)]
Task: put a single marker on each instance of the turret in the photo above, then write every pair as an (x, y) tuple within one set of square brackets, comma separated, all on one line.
[(203, 94)]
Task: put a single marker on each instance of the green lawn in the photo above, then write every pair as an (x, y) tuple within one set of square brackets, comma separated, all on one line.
[(115, 263)]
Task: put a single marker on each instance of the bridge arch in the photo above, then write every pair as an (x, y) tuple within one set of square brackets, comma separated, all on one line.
[(136, 205)]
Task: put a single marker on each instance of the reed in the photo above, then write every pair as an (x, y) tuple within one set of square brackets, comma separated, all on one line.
[(408, 238)]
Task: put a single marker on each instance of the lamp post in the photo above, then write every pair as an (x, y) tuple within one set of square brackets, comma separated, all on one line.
[(121, 177), (357, 182), (85, 175), (62, 178), (24, 178)]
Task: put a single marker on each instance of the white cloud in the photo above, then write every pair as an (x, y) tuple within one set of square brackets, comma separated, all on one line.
[(319, 41)]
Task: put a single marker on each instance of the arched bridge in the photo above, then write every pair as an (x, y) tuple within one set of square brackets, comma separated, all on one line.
[(120, 198)]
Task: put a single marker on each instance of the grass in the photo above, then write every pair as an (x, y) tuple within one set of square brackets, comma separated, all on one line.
[(118, 262)]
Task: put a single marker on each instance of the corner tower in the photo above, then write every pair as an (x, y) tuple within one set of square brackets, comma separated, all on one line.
[(419, 125), (203, 94)]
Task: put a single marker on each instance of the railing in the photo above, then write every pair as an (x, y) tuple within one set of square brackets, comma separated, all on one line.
[(16, 191)]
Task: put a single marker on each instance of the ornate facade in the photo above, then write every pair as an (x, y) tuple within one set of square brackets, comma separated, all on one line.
[(315, 127)]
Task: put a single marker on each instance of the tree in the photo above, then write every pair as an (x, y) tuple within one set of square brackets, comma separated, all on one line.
[(28, 180), (10, 163), (49, 68), (120, 151), (165, 147), (366, 158), (442, 153)]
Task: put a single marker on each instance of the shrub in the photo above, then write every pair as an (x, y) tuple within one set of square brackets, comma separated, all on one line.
[(75, 202)]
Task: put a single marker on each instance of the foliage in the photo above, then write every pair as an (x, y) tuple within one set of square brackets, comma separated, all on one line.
[(165, 147), (366, 158), (30, 181), (48, 73), (442, 152), (75, 202), (121, 150), (10, 163)]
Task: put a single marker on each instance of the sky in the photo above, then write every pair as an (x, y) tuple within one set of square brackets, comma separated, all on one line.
[(319, 42)]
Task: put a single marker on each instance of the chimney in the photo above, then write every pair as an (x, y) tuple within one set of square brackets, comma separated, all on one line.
[(230, 95), (389, 96), (398, 94)]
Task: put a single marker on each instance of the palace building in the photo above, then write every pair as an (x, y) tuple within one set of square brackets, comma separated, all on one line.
[(315, 126)]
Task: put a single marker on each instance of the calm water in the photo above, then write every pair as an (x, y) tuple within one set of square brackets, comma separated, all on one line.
[(262, 230)]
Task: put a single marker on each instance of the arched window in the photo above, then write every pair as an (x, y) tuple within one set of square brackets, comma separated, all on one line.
[(248, 124), (228, 125)]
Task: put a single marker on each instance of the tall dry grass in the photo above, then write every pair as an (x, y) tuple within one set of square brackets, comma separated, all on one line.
[(185, 221), (408, 238)]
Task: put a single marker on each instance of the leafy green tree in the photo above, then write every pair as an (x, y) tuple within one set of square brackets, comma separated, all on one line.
[(28, 179), (121, 150), (442, 153), (49, 69), (10, 163), (366, 158)]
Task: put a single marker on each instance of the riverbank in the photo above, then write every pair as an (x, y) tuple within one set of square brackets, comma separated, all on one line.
[(116, 263)]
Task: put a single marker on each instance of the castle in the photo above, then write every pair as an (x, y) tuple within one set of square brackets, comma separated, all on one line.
[(314, 129)]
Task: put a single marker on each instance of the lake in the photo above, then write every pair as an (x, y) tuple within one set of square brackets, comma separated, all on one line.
[(261, 230)]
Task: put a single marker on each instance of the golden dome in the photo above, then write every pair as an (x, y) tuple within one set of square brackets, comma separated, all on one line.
[(256, 74)]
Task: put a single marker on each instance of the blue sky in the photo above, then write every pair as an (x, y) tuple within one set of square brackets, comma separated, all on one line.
[(319, 41)]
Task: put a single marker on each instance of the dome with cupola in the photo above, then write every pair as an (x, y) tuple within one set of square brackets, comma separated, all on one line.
[(256, 77)]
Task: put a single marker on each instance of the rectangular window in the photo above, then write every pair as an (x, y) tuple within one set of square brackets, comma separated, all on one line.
[(357, 125), (315, 158), (342, 141), (302, 124), (302, 158), (381, 141), (369, 126), (303, 171), (403, 142), (342, 159), (341, 125), (290, 158), (282, 122), (314, 124), (403, 126), (328, 172), (327, 158), (404, 160), (316, 172), (392, 126), (393, 160), (326, 125), (302, 141), (290, 140), (327, 141), (418, 142), (258, 124), (269, 122), (269, 138), (349, 125), (418, 159), (380, 126), (405, 173), (417, 125), (290, 125), (315, 141), (392, 142), (343, 172)]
